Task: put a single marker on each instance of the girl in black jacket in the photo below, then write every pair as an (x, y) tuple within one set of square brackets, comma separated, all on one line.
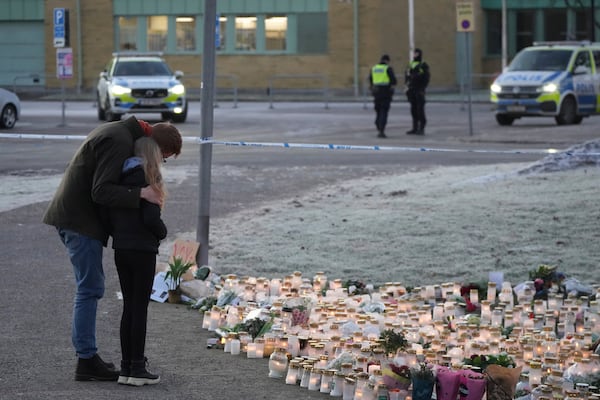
[(136, 236)]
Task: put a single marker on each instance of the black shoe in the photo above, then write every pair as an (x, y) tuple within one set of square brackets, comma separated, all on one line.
[(420, 132), (125, 373), (381, 135), (411, 132), (140, 376), (94, 369), (109, 365)]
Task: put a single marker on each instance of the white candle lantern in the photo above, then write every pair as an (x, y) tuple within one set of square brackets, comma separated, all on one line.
[(278, 363), (206, 320), (275, 287), (291, 377), (215, 318), (491, 292), (474, 296), (486, 312)]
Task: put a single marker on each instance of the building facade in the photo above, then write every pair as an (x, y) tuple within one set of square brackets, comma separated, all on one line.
[(303, 43)]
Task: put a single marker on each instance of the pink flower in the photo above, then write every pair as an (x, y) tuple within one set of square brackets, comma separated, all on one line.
[(470, 306)]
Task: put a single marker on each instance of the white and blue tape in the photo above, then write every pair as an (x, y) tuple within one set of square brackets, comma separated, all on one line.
[(285, 145)]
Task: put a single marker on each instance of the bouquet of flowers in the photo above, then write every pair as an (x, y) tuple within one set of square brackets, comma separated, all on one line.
[(465, 293), (501, 382), (423, 380), (472, 385), (580, 373), (447, 383), (299, 308), (396, 376), (356, 287), (544, 278)]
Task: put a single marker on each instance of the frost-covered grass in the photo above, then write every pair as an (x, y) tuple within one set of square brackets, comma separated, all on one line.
[(443, 224)]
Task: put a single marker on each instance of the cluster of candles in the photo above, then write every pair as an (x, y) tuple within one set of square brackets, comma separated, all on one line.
[(546, 338)]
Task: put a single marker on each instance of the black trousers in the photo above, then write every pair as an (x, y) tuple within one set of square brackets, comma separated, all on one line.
[(416, 98), (382, 99), (136, 275)]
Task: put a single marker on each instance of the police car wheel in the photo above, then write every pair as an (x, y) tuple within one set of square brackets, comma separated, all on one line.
[(568, 112), (504, 119), (101, 113)]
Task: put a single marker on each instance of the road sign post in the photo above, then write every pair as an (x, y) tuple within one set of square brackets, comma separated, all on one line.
[(61, 27), (465, 22), (64, 70)]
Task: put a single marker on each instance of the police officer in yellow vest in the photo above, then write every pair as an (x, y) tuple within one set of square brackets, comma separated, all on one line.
[(416, 80), (382, 81)]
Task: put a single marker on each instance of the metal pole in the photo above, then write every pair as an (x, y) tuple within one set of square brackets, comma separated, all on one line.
[(355, 47), (504, 37), (79, 50), (593, 22), (411, 29), (208, 88), (63, 119), (469, 80)]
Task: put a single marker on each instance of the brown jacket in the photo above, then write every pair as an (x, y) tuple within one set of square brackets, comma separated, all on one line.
[(92, 180)]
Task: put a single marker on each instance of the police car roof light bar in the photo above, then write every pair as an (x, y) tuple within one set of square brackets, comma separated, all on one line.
[(564, 43), (138, 54)]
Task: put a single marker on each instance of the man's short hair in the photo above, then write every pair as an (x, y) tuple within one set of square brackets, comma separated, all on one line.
[(168, 138)]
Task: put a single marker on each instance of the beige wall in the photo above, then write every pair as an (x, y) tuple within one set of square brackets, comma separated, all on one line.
[(383, 28)]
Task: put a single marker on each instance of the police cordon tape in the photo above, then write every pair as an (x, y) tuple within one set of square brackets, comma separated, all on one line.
[(199, 140)]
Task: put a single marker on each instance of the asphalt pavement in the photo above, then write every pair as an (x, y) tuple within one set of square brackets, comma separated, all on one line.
[(36, 357)]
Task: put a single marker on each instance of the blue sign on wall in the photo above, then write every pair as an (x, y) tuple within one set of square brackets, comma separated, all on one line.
[(61, 27)]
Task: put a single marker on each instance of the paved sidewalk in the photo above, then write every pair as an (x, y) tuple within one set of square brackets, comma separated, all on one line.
[(36, 356)]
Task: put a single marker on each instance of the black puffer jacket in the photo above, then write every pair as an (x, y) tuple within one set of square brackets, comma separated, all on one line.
[(137, 229)]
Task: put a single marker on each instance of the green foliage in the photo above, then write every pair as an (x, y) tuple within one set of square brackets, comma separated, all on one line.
[(544, 272), (206, 304), (422, 371), (392, 341), (256, 327), (177, 268), (483, 361)]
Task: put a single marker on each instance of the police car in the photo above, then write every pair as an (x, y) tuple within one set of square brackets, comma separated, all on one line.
[(140, 83), (551, 79)]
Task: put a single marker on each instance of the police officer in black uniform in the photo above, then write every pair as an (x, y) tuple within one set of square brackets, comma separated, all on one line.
[(382, 81), (416, 80)]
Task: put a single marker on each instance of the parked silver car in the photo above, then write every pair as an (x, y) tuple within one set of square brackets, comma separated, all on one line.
[(10, 109)]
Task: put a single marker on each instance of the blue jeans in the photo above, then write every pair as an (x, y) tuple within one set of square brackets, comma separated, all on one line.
[(85, 254)]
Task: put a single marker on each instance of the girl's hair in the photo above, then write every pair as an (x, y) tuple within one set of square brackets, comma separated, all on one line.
[(149, 151)]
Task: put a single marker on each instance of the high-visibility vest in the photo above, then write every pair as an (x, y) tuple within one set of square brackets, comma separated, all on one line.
[(414, 64), (379, 75)]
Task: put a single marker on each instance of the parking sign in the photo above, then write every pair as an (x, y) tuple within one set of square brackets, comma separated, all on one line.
[(60, 27)]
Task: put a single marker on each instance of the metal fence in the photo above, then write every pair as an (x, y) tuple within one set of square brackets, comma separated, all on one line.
[(321, 89)]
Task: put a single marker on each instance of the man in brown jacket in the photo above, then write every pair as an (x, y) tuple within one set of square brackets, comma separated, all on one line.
[(90, 182)]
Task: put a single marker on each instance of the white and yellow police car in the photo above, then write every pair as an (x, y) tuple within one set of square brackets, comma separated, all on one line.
[(550, 79), (134, 82)]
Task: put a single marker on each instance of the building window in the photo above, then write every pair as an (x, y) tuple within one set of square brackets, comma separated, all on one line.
[(127, 33), (157, 33), (185, 30), (245, 33), (312, 33), (583, 30), (555, 25), (525, 28), (222, 31), (494, 32), (275, 33)]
